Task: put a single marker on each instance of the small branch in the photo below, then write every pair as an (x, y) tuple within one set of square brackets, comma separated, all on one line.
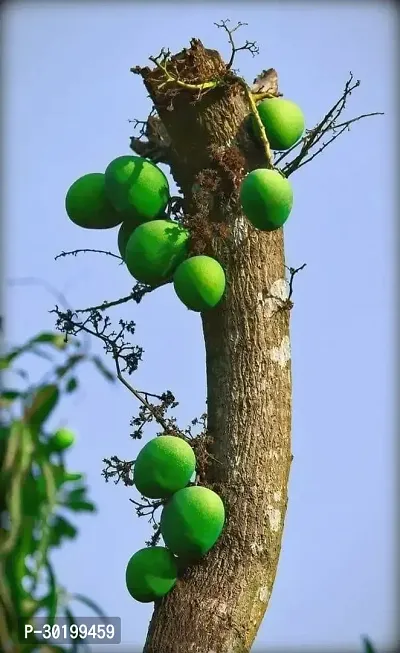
[(121, 469), (148, 505), (363, 115), (329, 123), (293, 272), (148, 509), (286, 304), (140, 398), (136, 123), (158, 146), (137, 294), (249, 45), (105, 305), (115, 345), (75, 252)]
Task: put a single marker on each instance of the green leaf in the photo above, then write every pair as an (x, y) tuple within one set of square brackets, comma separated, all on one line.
[(5, 361), (10, 395), (61, 477), (55, 339), (58, 475), (61, 529), (98, 363), (81, 506), (32, 497), (42, 405), (368, 647), (71, 384)]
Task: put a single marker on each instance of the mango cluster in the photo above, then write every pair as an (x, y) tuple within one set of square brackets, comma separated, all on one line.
[(266, 195), (191, 522), (134, 193)]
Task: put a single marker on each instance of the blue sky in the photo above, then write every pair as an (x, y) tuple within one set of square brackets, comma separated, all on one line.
[(68, 96)]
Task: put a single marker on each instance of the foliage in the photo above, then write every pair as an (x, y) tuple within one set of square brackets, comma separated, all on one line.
[(37, 489)]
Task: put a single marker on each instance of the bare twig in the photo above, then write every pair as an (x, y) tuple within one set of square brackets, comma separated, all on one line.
[(140, 397), (286, 304), (293, 272), (115, 345), (136, 123), (150, 506), (75, 252), (137, 294), (157, 147), (251, 46), (119, 470), (148, 509), (105, 305), (329, 123)]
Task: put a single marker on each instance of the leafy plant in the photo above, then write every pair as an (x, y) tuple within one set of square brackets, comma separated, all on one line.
[(38, 491)]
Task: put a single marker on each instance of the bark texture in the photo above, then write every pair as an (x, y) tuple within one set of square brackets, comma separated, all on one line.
[(218, 604)]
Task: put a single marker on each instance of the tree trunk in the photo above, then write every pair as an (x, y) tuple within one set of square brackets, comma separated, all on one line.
[(218, 604)]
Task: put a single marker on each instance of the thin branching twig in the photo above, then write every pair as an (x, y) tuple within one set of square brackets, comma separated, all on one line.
[(251, 46), (329, 123)]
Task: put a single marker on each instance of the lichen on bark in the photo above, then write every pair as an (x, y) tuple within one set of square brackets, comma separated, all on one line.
[(218, 604)]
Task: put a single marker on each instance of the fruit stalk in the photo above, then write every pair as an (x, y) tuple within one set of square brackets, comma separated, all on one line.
[(218, 604)]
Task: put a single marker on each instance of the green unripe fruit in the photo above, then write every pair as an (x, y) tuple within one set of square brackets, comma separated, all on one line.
[(87, 205), (192, 521), (283, 122), (126, 230), (124, 233), (61, 440), (155, 249), (151, 573), (267, 199), (136, 187), (164, 465), (199, 283)]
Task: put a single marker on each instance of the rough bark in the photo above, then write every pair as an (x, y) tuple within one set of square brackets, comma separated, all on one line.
[(218, 604)]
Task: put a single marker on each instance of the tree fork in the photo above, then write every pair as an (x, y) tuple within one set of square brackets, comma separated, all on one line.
[(218, 604)]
